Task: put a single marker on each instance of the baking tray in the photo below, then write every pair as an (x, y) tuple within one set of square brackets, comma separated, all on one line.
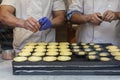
[(77, 66)]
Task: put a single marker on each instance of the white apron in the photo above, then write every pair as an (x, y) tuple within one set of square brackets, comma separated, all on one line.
[(104, 33), (36, 9)]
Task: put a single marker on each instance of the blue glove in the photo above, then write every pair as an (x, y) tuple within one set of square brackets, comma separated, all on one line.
[(45, 23)]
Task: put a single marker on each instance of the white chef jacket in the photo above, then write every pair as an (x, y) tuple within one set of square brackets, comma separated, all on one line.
[(37, 9), (103, 33)]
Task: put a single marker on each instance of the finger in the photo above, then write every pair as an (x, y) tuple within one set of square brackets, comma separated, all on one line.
[(33, 25), (111, 18), (97, 18), (105, 14), (99, 15), (37, 25), (30, 27), (108, 16), (94, 21)]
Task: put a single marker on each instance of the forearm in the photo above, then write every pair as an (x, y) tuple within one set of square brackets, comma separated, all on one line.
[(118, 15), (79, 18), (58, 21), (9, 19)]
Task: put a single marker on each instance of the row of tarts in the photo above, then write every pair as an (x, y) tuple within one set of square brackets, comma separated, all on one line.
[(63, 51)]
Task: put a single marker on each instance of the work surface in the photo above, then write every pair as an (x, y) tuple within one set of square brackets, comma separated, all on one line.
[(6, 74)]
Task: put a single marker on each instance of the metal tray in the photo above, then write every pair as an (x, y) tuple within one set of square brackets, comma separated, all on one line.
[(77, 66)]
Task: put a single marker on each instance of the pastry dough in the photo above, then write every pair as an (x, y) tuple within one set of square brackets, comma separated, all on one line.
[(96, 46), (52, 53), (64, 50), (114, 50), (87, 50), (27, 50), (91, 43), (40, 50), (115, 53), (92, 53), (64, 58), (49, 59), (34, 59), (98, 49), (20, 59), (83, 43), (23, 54), (104, 59), (104, 54), (52, 47), (40, 47), (86, 46), (92, 57), (112, 47), (63, 47), (117, 58), (52, 50), (66, 53), (74, 44), (76, 47), (76, 50), (38, 54), (82, 53)]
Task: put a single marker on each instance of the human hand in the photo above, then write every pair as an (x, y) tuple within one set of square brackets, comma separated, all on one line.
[(30, 24), (45, 23), (109, 16), (95, 18)]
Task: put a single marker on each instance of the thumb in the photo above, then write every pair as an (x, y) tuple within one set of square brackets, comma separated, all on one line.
[(99, 15)]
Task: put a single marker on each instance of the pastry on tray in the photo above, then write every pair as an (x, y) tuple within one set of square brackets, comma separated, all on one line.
[(52, 53), (66, 53), (104, 59), (49, 58), (34, 59), (64, 58), (117, 58), (81, 53), (104, 54), (24, 54), (38, 54), (92, 57), (20, 59), (111, 47)]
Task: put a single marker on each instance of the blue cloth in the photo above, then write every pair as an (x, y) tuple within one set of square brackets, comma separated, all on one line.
[(45, 23)]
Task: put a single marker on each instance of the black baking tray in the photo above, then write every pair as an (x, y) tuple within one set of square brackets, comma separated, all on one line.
[(74, 67), (77, 66)]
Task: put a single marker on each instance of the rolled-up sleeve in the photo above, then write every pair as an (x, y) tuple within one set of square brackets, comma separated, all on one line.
[(58, 5), (9, 2), (76, 5)]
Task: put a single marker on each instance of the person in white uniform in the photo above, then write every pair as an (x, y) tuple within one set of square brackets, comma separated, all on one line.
[(98, 20), (35, 19)]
